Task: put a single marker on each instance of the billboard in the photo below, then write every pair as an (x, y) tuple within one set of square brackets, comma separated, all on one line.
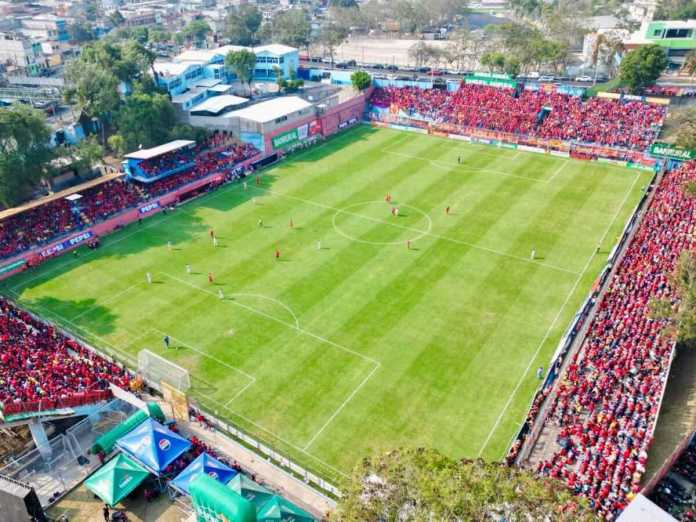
[(12, 266), (68, 243), (665, 150), (295, 136)]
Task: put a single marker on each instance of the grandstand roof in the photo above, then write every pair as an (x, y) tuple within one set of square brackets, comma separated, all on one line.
[(174, 68), (641, 508), (270, 110), (217, 104), (145, 154), (59, 195)]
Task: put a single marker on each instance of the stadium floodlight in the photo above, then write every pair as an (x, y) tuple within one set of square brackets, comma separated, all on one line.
[(155, 369)]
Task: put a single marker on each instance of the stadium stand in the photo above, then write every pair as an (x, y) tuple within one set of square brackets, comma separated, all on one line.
[(615, 123), (608, 399), (41, 369), (44, 223)]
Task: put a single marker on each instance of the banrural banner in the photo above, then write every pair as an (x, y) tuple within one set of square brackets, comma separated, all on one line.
[(665, 150)]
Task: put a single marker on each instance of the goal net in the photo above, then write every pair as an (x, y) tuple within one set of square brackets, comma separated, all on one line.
[(155, 369)]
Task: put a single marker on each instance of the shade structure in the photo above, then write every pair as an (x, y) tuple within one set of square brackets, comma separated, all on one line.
[(250, 490), (279, 509), (153, 445), (105, 443), (214, 501), (206, 465), (116, 479)]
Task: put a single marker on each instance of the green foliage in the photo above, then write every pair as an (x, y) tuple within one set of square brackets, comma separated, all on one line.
[(80, 32), (196, 31), (690, 63), (291, 27), (682, 316), (182, 131), (117, 144), (82, 156), (528, 45), (24, 151), (676, 10), (242, 25), (641, 67), (331, 36), (92, 88), (495, 61), (116, 18), (360, 80), (686, 134), (423, 484), (243, 63), (145, 119)]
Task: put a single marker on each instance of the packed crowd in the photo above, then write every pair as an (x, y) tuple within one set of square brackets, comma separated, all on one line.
[(607, 400), (615, 123), (49, 221), (151, 168), (41, 369)]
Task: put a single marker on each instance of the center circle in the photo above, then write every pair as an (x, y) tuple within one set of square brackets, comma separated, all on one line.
[(348, 211)]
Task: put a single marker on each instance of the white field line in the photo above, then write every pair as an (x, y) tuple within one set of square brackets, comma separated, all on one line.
[(340, 408), (553, 323), (251, 378), (557, 171), (335, 414), (109, 299), (445, 164), (419, 231)]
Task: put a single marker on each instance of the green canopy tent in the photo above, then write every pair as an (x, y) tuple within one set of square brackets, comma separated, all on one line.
[(106, 442), (116, 479), (250, 490), (278, 509), (212, 500)]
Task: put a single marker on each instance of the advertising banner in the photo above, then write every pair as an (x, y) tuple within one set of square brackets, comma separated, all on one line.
[(149, 207), (314, 127), (68, 243), (478, 79), (285, 139), (12, 266), (665, 150)]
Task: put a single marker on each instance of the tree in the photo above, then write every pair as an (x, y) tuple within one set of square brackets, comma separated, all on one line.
[(606, 50), (242, 63), (332, 36), (682, 316), (80, 32), (242, 25), (423, 484), (675, 10), (495, 61), (690, 63), (145, 120), (512, 66), (527, 8), (292, 28), (346, 4), (85, 154), (641, 67), (24, 151), (117, 144), (196, 31), (360, 80), (93, 89), (116, 18)]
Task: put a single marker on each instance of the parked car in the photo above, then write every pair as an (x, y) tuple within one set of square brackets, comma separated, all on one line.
[(351, 63), (424, 70), (392, 68), (546, 78), (378, 66), (341, 65), (584, 79)]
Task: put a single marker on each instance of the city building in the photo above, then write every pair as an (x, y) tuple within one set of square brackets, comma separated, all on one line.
[(21, 52), (677, 37), (188, 69)]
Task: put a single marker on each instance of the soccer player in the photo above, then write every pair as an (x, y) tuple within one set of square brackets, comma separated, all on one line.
[(258, 180), (253, 200), (291, 224), (212, 234), (188, 269), (533, 254), (277, 254), (245, 185), (169, 246), (447, 211), (211, 279), (165, 340), (393, 211), (260, 223), (215, 242), (408, 244), (540, 372), (318, 245), (396, 211), (220, 294), (148, 276)]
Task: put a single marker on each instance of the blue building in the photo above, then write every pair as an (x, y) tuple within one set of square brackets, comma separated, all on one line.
[(191, 67)]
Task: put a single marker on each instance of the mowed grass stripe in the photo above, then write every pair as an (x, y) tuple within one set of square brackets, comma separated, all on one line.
[(452, 326)]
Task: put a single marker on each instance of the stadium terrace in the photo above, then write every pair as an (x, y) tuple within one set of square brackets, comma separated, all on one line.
[(598, 403)]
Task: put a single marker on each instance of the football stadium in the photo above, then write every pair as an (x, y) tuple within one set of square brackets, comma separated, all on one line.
[(467, 267)]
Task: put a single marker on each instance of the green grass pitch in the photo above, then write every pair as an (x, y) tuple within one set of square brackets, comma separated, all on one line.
[(362, 345)]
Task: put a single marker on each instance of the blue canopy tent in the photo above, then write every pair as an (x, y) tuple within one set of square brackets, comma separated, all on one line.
[(203, 464), (153, 445)]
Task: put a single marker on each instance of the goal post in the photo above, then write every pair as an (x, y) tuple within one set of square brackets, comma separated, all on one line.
[(155, 369)]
